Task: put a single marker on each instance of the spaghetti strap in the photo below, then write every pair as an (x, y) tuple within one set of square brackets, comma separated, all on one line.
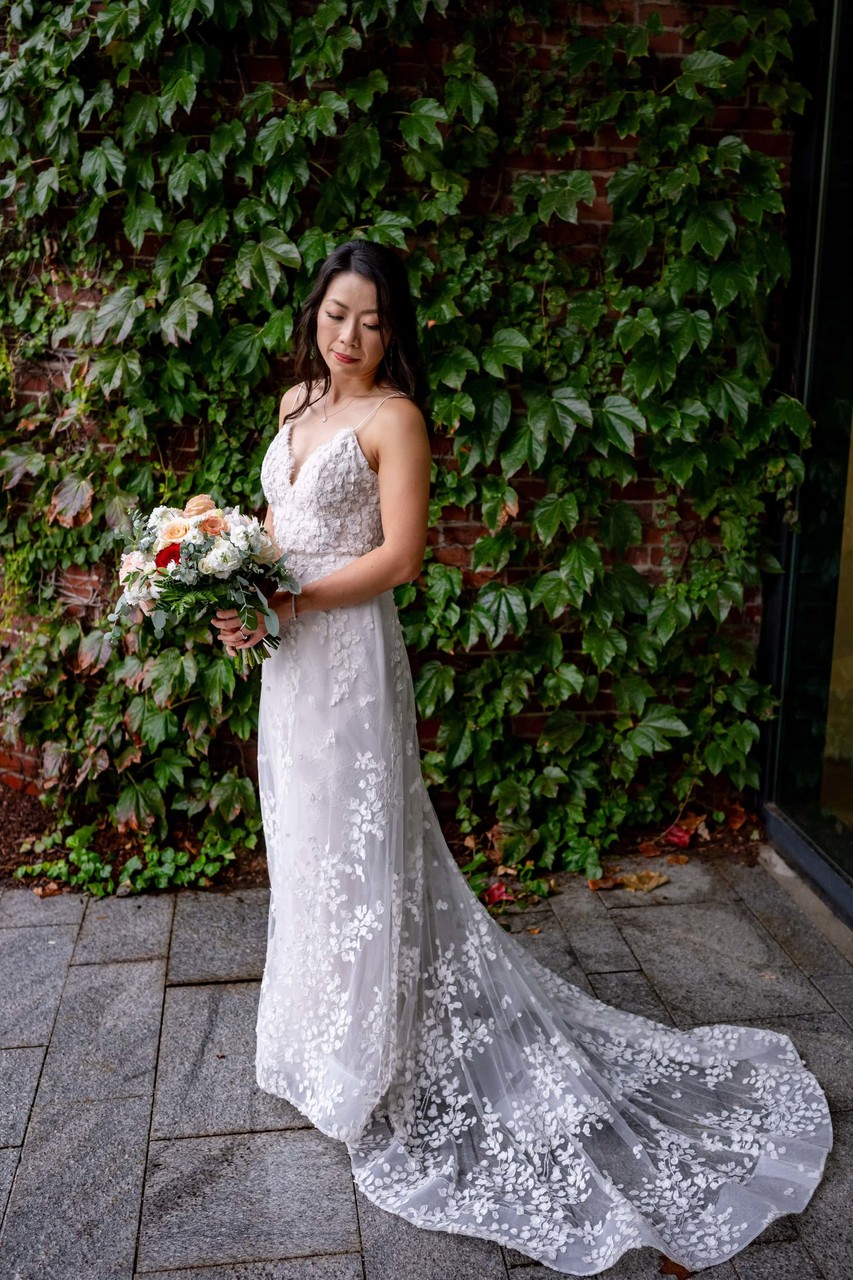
[(395, 395)]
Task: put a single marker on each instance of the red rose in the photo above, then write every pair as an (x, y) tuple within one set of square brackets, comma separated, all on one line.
[(169, 555)]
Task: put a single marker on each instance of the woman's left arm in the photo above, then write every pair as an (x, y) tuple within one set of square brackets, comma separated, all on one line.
[(402, 450)]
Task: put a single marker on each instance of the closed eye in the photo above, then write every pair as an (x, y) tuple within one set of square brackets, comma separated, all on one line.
[(331, 317)]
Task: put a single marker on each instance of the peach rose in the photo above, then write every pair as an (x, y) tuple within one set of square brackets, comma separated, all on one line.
[(213, 526), (199, 504), (174, 531)]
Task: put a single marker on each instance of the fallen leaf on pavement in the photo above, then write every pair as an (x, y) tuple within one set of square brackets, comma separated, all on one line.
[(649, 849), (676, 834), (610, 881), (49, 890), (678, 859), (670, 1268), (644, 880), (534, 930)]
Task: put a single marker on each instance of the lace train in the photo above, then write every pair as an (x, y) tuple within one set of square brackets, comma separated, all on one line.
[(477, 1091)]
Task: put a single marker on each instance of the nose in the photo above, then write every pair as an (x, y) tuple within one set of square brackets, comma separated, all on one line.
[(349, 334)]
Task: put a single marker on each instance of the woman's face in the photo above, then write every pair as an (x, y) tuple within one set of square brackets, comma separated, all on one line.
[(348, 334)]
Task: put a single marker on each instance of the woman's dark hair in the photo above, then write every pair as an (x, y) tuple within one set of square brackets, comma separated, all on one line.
[(401, 363)]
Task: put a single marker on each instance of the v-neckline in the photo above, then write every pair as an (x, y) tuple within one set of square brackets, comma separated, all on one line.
[(292, 480)]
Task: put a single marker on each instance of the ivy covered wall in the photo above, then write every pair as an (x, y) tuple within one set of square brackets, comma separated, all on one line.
[(591, 203)]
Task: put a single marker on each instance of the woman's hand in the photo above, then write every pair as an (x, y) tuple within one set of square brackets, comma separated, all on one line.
[(233, 635)]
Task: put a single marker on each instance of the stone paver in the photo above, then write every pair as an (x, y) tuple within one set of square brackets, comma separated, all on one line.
[(136, 927), (246, 1196), (342, 1266), (20, 907), (34, 964), (219, 937), (206, 1071), (19, 1073), (104, 1041), (74, 1206), (712, 962), (135, 1144)]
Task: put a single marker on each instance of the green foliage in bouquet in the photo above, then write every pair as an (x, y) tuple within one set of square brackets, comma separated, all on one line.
[(177, 170)]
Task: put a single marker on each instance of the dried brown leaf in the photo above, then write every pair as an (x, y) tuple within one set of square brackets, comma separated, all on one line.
[(643, 880)]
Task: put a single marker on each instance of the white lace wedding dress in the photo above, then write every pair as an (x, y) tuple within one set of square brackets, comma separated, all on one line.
[(477, 1092)]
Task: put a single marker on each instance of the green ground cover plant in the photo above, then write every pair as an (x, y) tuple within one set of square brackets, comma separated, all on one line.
[(166, 208)]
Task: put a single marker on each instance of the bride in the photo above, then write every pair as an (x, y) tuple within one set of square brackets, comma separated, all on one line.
[(477, 1092)]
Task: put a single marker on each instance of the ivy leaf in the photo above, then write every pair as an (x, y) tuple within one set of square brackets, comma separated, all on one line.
[(627, 183), (171, 675), (71, 502), (630, 237), (667, 616), (686, 329), (603, 645), (631, 328), (731, 393), (17, 462), (559, 414), (503, 608), (102, 162), (619, 418), (580, 566), (112, 368), (151, 724), (141, 119), (363, 91), (654, 367), (141, 215), (507, 347), (630, 693), (621, 527), (453, 367), (315, 245), (471, 95), (139, 805), (179, 87), (182, 11), (564, 193), (703, 67), (562, 730), (232, 795), (553, 592), (711, 226), (389, 228), (658, 725), (550, 512), (433, 687), (242, 346), (260, 262), (728, 280), (181, 317), (218, 681), (117, 315), (420, 124)]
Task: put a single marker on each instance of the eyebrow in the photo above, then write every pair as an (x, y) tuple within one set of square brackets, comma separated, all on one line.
[(371, 311)]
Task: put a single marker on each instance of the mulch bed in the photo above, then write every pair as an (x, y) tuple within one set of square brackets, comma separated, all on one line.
[(23, 815)]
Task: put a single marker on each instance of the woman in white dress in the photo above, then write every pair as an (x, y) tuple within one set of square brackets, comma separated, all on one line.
[(477, 1092)]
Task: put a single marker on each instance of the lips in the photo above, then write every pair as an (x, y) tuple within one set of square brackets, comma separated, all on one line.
[(344, 359)]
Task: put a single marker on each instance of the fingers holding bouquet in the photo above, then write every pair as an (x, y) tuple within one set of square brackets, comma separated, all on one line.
[(234, 634)]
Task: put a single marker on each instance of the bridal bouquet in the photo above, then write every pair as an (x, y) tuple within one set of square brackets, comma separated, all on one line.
[(195, 561)]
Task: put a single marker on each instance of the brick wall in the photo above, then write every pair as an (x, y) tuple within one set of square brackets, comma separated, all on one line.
[(87, 593)]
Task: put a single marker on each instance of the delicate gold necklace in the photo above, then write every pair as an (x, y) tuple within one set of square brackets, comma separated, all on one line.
[(326, 415)]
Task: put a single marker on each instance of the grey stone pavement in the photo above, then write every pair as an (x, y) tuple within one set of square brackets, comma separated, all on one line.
[(135, 1143)]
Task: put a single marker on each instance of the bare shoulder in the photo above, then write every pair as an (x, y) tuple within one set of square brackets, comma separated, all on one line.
[(399, 418), (397, 429)]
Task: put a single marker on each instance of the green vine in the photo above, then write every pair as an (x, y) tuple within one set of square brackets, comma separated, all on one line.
[(601, 359)]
